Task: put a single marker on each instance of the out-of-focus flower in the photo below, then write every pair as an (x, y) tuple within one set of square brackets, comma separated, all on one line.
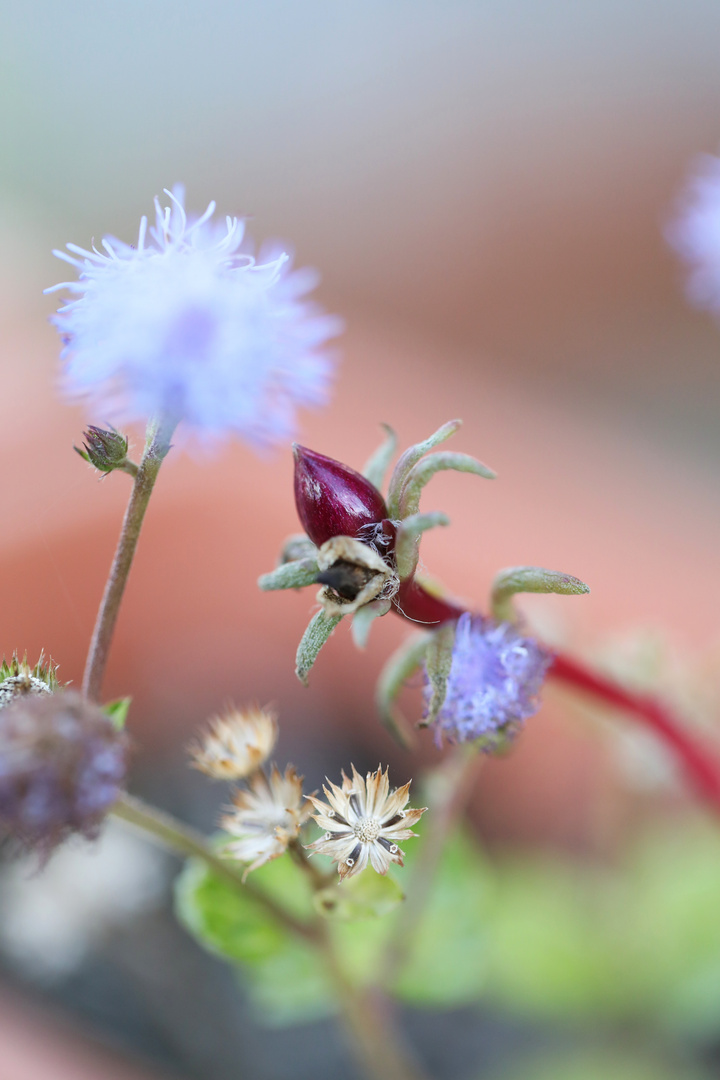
[(186, 326), (695, 232), (236, 744), (62, 765), (364, 821), (50, 921), (493, 685), (18, 678), (265, 818)]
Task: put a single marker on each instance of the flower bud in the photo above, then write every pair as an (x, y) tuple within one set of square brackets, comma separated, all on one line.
[(106, 450), (62, 765), (18, 678), (332, 499)]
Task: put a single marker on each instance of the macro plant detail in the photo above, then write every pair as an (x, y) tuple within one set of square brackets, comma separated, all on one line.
[(307, 895)]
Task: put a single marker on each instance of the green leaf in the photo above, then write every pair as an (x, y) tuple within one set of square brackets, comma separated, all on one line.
[(408, 534), (424, 471), (410, 458), (291, 575), (364, 617), (117, 711), (366, 896), (596, 1064), (438, 662), (317, 633), (447, 964), (529, 579), (401, 665), (377, 464)]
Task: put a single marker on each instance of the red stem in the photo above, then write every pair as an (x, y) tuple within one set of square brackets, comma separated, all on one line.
[(700, 763)]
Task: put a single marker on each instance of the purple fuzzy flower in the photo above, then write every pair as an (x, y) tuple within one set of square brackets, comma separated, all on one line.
[(62, 766), (695, 233), (494, 682)]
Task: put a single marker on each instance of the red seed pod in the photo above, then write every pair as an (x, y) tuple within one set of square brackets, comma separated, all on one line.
[(332, 499), (417, 604)]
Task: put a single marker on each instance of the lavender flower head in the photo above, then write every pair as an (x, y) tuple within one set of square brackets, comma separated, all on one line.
[(62, 766), (187, 326), (695, 233), (493, 686)]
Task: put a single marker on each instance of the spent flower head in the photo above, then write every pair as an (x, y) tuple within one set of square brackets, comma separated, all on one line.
[(62, 766), (186, 325), (265, 817), (364, 820), (493, 684), (236, 743), (18, 678)]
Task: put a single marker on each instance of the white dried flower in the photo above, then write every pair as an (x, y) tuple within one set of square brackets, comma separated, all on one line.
[(364, 822), (236, 743), (265, 818)]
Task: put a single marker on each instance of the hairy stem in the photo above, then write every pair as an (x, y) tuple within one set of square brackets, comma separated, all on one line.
[(701, 764), (156, 447), (451, 787), (172, 834)]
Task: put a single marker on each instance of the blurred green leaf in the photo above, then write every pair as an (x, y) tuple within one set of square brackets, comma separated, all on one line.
[(367, 896), (117, 711), (447, 964), (591, 1064)]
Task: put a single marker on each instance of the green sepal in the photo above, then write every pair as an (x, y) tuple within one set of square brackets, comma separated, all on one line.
[(291, 575), (117, 711), (421, 473), (408, 535), (378, 463), (410, 458), (438, 661), (366, 896), (401, 665), (364, 617), (318, 631), (529, 579)]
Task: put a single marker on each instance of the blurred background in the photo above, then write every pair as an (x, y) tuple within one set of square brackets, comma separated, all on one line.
[(484, 188)]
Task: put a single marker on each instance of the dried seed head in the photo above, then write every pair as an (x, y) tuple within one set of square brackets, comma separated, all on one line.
[(18, 678), (236, 743), (354, 574), (62, 766), (266, 817)]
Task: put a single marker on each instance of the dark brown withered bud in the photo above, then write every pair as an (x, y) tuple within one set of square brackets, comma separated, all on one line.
[(345, 578), (332, 499)]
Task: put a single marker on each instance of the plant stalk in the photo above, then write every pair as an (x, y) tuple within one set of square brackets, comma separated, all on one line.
[(174, 835), (156, 447), (701, 764)]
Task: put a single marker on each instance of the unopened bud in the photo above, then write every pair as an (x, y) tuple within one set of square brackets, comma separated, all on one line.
[(106, 450), (332, 499)]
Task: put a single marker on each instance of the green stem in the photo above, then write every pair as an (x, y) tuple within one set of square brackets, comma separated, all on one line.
[(451, 786), (170, 833), (156, 447)]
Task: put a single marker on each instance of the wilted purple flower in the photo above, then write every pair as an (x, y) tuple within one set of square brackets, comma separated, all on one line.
[(494, 682), (187, 326), (695, 232), (62, 766)]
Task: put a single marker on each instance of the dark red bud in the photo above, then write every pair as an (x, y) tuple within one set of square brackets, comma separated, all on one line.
[(417, 604), (332, 499)]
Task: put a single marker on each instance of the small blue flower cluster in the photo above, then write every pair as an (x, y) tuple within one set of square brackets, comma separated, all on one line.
[(62, 766), (494, 682), (695, 232)]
